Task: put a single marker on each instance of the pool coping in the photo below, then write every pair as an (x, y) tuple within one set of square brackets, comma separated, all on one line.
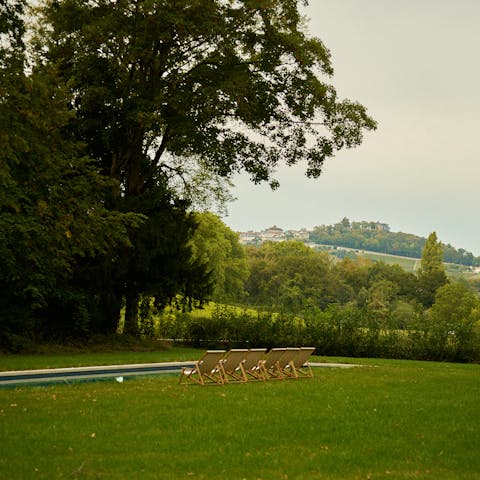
[(67, 374)]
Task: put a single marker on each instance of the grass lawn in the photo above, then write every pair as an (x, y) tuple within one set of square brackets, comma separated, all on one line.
[(78, 359), (389, 419)]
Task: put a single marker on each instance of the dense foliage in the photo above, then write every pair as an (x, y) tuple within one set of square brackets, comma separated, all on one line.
[(217, 248), (297, 296), (290, 276), (127, 113), (52, 214), (339, 330), (377, 237)]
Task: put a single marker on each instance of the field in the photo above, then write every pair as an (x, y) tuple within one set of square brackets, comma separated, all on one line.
[(412, 264), (386, 419), (407, 263)]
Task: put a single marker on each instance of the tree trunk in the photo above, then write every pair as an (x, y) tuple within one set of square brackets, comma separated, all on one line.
[(134, 187), (131, 313), (108, 312)]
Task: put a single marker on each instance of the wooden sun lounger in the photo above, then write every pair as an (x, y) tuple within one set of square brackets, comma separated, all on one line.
[(301, 360), (270, 365), (232, 365), (207, 369), (251, 366), (285, 364)]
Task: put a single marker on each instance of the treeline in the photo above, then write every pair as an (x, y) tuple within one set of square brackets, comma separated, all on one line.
[(377, 237), (294, 295), (292, 277)]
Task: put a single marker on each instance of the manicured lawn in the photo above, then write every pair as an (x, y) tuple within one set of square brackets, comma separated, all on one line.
[(393, 420), (30, 362)]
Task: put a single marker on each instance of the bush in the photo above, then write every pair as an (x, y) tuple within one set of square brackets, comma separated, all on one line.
[(339, 330)]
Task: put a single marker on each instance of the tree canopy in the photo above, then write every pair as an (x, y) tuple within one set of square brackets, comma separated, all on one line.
[(293, 277), (217, 247), (156, 80), (52, 211)]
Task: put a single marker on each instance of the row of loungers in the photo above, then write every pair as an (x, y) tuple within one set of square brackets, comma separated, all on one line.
[(241, 365)]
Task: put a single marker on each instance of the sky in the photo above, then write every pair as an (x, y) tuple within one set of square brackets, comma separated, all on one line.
[(414, 65)]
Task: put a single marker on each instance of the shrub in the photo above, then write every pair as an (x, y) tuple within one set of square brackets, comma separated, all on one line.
[(339, 330)]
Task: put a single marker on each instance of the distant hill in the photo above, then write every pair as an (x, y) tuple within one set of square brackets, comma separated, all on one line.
[(377, 237)]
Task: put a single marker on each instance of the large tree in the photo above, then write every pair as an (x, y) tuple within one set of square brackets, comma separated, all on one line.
[(153, 79), (52, 211), (290, 276), (236, 85), (453, 318), (218, 248)]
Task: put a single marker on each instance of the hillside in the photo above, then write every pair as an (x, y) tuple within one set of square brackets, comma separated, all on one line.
[(377, 237)]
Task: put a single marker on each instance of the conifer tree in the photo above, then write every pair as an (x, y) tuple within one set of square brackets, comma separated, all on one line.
[(431, 275)]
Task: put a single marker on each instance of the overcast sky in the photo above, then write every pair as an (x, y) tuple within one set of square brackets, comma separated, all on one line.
[(415, 66)]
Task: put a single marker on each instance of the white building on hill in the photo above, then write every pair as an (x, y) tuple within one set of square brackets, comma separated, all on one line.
[(273, 234)]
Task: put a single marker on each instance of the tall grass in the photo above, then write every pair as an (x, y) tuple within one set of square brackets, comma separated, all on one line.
[(398, 420)]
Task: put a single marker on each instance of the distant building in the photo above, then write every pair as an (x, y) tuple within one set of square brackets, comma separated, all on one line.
[(383, 227), (249, 238), (373, 226), (273, 234), (277, 234)]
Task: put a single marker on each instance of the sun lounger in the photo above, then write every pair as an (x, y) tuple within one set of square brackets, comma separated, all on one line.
[(301, 360), (270, 365), (251, 366), (285, 364), (206, 370), (231, 365)]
